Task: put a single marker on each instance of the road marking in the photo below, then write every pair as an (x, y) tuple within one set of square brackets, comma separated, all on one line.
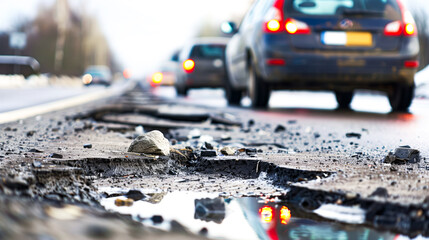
[(24, 113)]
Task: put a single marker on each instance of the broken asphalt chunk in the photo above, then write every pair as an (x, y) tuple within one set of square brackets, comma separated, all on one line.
[(208, 153), (251, 123), (37, 164), (152, 142), (30, 133), (225, 119), (88, 145), (380, 192), (33, 150), (135, 195), (251, 151), (208, 145), (279, 128), (353, 135), (55, 155), (403, 155)]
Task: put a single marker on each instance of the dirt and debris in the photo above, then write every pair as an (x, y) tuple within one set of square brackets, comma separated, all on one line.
[(71, 157), (402, 155)]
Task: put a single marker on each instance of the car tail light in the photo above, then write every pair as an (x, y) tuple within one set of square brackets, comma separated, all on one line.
[(411, 64), (393, 29), (285, 215), (87, 79), (406, 27), (274, 18), (189, 65), (157, 77), (276, 61), (266, 214), (293, 26), (275, 22)]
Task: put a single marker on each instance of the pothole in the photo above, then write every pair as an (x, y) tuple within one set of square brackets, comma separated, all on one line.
[(217, 217)]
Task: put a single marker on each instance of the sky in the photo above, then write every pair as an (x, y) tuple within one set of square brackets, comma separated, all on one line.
[(141, 33)]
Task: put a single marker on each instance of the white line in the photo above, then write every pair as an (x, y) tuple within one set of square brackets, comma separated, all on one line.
[(57, 105)]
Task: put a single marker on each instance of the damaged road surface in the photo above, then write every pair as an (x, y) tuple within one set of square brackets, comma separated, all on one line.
[(140, 166)]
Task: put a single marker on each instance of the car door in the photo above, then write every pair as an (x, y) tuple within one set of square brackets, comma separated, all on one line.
[(237, 47), (236, 50)]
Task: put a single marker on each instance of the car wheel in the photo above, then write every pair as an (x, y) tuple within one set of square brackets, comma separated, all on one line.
[(181, 91), (401, 97), (344, 99), (232, 95), (259, 91)]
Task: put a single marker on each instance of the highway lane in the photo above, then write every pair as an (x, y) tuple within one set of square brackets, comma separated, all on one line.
[(370, 116), (27, 101)]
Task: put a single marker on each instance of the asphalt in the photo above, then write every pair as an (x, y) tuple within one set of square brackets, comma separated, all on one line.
[(329, 156)]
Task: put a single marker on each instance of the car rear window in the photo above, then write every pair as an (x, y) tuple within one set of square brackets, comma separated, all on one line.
[(208, 51), (374, 8)]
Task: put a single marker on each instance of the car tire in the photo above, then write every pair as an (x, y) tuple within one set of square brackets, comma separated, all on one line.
[(233, 96), (259, 91), (181, 91), (344, 99), (401, 97)]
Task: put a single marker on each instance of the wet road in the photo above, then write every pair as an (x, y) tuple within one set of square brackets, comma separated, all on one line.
[(316, 111)]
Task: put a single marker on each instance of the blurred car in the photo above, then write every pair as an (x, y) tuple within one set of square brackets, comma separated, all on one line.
[(201, 65), (166, 76), (97, 75), (337, 45), (22, 65)]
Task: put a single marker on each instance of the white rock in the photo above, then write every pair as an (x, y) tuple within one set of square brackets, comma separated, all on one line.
[(152, 142), (227, 151)]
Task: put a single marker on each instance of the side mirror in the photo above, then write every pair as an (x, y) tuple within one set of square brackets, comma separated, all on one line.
[(175, 57), (229, 28)]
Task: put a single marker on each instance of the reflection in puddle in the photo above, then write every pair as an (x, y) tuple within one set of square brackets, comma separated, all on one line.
[(242, 218)]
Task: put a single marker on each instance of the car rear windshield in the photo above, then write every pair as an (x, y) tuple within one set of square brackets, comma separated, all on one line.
[(366, 8), (208, 51)]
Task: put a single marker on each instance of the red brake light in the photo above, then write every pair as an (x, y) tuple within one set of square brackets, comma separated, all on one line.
[(285, 215), (393, 29), (157, 77), (189, 65), (274, 21), (267, 214), (275, 61), (274, 17), (410, 30), (406, 27), (411, 64), (296, 27), (273, 25)]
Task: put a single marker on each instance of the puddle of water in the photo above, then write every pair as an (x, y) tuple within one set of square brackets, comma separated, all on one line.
[(247, 217)]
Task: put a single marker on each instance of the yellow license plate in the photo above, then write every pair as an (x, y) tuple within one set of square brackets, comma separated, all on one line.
[(352, 39), (363, 39)]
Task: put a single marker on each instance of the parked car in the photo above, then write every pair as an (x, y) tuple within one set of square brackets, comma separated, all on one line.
[(97, 75), (22, 65), (337, 45), (201, 65)]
